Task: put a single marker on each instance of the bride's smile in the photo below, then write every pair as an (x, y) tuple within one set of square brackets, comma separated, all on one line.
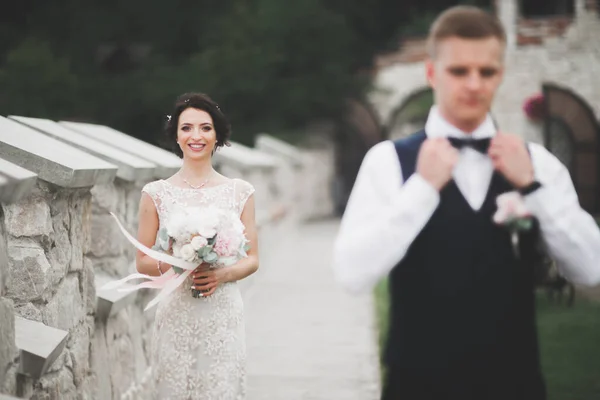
[(196, 133)]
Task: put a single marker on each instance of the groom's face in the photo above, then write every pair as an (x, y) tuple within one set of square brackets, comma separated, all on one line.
[(465, 74)]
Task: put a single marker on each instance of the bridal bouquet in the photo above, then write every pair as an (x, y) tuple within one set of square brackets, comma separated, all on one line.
[(192, 236), (203, 235)]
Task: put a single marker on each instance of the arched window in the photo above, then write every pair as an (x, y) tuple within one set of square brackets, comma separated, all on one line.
[(410, 115), (572, 134)]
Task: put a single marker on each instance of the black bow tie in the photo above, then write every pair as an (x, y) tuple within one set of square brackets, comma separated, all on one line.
[(481, 145)]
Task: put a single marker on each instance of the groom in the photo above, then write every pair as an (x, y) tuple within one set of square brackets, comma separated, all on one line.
[(462, 315)]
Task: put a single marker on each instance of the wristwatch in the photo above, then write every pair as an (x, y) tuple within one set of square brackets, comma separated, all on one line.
[(532, 187)]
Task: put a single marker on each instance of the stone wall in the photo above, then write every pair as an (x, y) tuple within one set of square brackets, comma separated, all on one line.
[(49, 281), (57, 244), (8, 351)]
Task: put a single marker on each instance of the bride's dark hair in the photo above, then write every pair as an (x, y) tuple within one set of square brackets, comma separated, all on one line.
[(202, 102)]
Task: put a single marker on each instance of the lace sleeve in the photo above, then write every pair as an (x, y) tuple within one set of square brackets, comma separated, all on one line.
[(243, 191), (152, 189)]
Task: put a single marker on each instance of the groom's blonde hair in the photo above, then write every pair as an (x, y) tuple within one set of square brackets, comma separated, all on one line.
[(466, 22)]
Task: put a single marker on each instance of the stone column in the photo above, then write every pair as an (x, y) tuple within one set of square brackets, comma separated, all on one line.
[(508, 13)]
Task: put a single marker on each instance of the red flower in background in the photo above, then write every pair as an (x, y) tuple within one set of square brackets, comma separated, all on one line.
[(534, 107)]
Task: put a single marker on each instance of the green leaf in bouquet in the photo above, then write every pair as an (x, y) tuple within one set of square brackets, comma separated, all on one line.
[(211, 241), (206, 250), (211, 257), (164, 245), (157, 247), (162, 234), (177, 270), (247, 247)]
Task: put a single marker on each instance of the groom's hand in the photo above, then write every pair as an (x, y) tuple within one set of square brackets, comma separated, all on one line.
[(510, 157), (436, 160)]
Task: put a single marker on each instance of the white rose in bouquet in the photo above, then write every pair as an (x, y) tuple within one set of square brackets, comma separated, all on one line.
[(187, 252), (198, 242)]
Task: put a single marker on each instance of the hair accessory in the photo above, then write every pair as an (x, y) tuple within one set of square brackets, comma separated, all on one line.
[(168, 118)]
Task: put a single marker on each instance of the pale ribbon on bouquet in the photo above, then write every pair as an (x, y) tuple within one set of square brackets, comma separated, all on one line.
[(167, 282)]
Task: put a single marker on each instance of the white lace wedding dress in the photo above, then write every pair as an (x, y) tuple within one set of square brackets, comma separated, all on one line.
[(198, 344)]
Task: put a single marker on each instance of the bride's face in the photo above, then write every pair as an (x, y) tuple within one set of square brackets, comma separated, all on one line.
[(196, 134)]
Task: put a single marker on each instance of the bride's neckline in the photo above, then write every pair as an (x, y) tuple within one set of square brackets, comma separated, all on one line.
[(227, 182)]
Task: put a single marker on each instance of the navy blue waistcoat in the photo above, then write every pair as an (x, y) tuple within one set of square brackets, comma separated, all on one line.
[(460, 298)]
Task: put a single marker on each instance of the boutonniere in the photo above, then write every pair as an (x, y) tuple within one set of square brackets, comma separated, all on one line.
[(514, 216)]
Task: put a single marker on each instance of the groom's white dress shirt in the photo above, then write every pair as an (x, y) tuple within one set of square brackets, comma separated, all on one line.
[(384, 214)]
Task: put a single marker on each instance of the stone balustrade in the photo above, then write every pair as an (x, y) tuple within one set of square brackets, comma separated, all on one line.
[(60, 336), (15, 181)]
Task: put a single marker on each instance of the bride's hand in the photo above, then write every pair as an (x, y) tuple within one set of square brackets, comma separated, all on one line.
[(206, 279)]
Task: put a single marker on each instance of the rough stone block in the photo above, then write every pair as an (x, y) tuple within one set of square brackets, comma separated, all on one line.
[(65, 310), (107, 239), (107, 197), (30, 273), (29, 217), (85, 390), (3, 258), (9, 385), (60, 252), (89, 286), (29, 311), (8, 351), (79, 352), (39, 346), (56, 386)]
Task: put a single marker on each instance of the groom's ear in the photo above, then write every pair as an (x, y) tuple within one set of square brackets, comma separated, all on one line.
[(430, 72)]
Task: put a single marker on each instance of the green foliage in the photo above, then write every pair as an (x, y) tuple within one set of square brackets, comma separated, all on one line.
[(272, 65), (36, 82)]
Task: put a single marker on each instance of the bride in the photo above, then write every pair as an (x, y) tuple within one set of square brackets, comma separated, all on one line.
[(198, 343)]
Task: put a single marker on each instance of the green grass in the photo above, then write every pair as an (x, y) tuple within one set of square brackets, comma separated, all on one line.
[(569, 345)]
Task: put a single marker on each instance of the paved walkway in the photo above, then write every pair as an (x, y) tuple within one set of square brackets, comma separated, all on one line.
[(307, 338)]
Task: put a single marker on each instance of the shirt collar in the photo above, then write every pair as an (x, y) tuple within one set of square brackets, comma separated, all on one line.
[(437, 126)]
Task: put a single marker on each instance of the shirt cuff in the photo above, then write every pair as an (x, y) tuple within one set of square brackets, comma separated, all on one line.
[(421, 192), (544, 204)]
